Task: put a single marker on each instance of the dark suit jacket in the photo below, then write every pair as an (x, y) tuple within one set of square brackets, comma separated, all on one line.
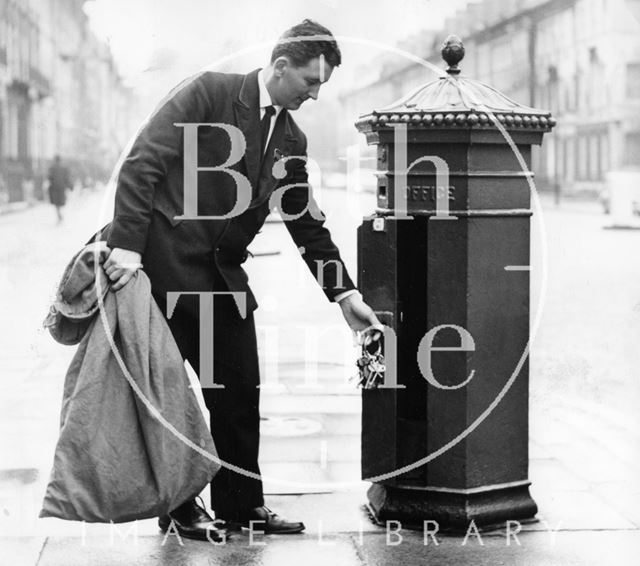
[(185, 255)]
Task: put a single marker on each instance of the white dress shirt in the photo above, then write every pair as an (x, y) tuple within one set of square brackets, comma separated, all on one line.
[(265, 100)]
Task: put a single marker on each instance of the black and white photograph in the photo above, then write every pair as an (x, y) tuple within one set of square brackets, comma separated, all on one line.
[(319, 282)]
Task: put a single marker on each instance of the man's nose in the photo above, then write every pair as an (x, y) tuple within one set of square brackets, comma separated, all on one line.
[(314, 91)]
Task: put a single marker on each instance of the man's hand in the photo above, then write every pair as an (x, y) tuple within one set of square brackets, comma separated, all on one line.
[(120, 266), (358, 314)]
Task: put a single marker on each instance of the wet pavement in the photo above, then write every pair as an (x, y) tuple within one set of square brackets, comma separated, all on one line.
[(584, 428)]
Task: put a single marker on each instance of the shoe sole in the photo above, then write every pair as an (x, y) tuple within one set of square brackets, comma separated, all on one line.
[(190, 536), (235, 527), (274, 532)]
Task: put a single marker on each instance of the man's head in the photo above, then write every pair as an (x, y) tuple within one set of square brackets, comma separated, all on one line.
[(302, 60)]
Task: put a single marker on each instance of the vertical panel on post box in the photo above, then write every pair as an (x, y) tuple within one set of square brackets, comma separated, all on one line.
[(377, 281), (498, 314), (412, 419), (392, 271), (446, 289)]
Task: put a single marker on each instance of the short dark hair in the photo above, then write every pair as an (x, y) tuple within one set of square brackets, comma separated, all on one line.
[(301, 51)]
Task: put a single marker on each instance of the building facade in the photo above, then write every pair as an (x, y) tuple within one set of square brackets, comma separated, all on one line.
[(580, 59), (60, 93)]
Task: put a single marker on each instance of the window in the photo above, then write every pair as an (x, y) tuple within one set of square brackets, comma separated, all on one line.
[(12, 132), (570, 159), (582, 158), (604, 153), (631, 156), (591, 159), (594, 157), (633, 80), (560, 157), (569, 94)]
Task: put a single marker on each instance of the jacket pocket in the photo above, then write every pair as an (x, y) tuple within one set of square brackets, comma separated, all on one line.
[(170, 216)]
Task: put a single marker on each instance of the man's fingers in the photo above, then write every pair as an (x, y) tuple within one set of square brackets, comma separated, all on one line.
[(376, 334), (122, 260), (114, 273), (370, 334), (109, 268), (120, 277), (122, 280)]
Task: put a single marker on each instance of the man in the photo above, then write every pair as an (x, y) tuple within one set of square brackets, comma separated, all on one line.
[(204, 255), (59, 183)]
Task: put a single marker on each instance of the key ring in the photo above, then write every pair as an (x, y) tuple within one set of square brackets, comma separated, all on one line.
[(371, 364)]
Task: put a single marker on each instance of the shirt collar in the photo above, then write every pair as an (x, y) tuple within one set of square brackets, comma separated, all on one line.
[(265, 97)]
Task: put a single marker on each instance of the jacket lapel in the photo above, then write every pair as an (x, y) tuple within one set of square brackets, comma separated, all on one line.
[(282, 143), (247, 112)]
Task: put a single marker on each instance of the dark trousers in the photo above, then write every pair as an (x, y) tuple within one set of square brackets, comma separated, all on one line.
[(235, 416)]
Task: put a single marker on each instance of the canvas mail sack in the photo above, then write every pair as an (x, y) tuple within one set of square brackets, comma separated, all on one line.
[(133, 441)]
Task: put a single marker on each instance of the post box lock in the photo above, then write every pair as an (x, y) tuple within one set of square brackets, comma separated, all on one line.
[(378, 224)]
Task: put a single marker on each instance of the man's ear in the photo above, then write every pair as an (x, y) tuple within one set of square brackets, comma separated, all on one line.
[(280, 65)]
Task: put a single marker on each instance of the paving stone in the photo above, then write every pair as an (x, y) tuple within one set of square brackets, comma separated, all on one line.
[(240, 550), (535, 549), (20, 551)]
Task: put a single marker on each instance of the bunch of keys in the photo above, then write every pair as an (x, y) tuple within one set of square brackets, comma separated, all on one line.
[(371, 365)]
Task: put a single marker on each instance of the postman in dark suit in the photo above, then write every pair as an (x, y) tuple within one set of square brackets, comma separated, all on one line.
[(211, 116)]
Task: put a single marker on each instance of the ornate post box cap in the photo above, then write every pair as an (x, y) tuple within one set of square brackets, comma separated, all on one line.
[(457, 102)]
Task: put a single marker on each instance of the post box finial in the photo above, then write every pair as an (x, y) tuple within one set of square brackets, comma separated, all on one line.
[(452, 52)]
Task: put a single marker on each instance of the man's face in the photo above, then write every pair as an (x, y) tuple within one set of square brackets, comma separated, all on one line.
[(294, 85)]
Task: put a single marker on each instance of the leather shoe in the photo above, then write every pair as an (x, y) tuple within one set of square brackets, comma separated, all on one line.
[(192, 521), (270, 523)]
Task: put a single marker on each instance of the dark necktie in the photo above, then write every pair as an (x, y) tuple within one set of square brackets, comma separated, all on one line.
[(265, 123)]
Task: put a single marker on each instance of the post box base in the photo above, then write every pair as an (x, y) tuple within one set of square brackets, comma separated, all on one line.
[(452, 509)]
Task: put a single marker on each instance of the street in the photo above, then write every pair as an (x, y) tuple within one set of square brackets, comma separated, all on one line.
[(585, 390)]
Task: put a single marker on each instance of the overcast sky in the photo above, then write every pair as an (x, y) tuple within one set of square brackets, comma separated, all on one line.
[(177, 37)]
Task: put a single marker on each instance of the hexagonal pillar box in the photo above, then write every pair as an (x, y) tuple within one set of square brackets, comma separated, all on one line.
[(445, 262)]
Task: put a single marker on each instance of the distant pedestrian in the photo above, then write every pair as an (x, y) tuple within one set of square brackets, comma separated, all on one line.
[(59, 182)]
